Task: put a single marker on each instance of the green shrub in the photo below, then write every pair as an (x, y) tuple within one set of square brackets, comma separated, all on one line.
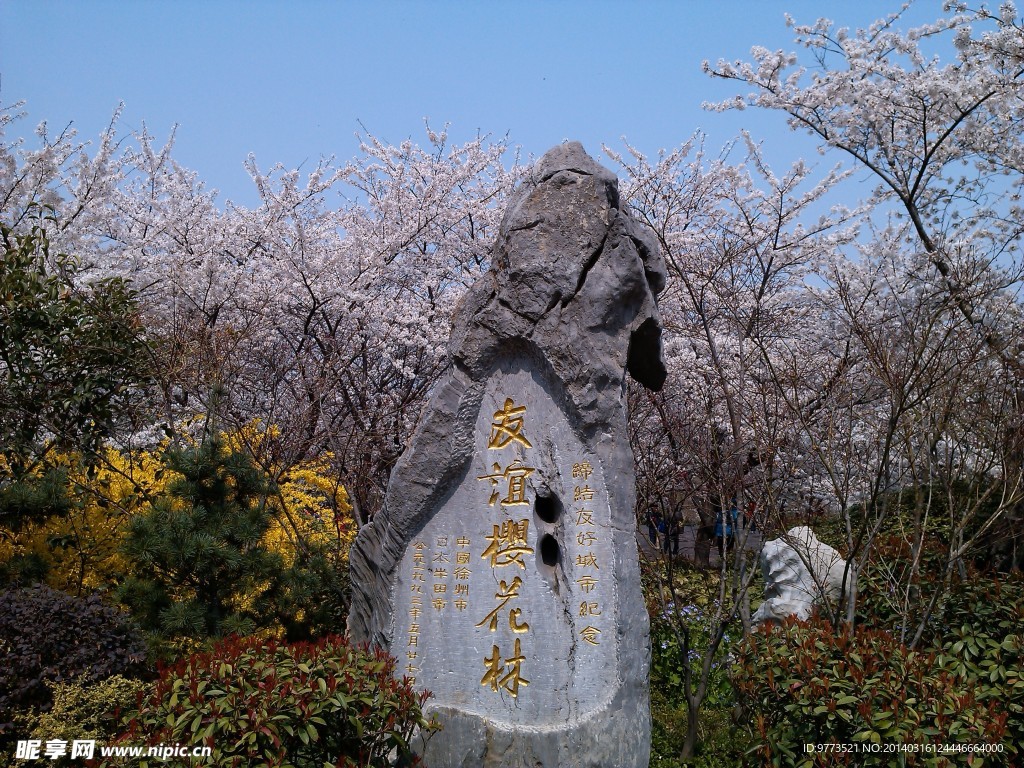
[(720, 744), (668, 662), (805, 683), (258, 702), (977, 632), (980, 637), (83, 711), (47, 636), (312, 600), (668, 728), (74, 356), (692, 610)]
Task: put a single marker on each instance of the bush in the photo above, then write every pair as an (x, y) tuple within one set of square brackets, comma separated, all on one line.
[(312, 599), (721, 743), (74, 357), (83, 711), (199, 567), (805, 683), (668, 662), (977, 632), (47, 636), (224, 550), (980, 637), (257, 702), (31, 497)]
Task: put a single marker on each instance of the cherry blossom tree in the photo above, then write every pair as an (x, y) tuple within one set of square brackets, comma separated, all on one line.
[(358, 334), (941, 138), (740, 243), (322, 312), (859, 374), (908, 382), (917, 430)]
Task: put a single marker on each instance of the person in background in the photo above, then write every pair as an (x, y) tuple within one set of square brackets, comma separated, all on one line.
[(725, 526)]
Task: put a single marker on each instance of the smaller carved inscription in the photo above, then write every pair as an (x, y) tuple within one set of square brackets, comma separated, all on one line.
[(587, 561)]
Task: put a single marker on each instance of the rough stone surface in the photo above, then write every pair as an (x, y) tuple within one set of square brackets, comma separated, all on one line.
[(502, 570), (799, 570)]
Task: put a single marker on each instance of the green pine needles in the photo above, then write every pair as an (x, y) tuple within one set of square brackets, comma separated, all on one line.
[(201, 568)]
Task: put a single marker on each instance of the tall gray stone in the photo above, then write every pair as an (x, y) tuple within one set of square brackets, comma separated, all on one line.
[(502, 570)]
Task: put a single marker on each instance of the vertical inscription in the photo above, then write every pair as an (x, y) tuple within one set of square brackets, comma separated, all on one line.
[(462, 573), (440, 561), (412, 648), (586, 560), (507, 546), (439, 584)]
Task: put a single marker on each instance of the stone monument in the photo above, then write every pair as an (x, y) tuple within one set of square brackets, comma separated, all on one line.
[(502, 571), (799, 570)]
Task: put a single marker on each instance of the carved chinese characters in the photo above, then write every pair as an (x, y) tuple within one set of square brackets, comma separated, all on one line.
[(507, 546), (586, 537), (507, 427), (523, 604), (446, 586)]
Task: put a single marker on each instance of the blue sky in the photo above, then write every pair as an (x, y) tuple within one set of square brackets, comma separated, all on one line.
[(290, 82)]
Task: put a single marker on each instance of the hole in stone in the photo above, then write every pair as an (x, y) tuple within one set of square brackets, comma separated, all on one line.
[(548, 508), (643, 357), (549, 552)]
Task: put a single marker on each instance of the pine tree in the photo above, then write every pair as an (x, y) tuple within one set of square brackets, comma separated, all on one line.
[(201, 568)]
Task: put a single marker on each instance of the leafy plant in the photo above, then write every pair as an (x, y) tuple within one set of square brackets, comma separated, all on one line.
[(84, 711), (223, 549), (312, 600), (668, 662), (721, 743), (694, 624), (50, 637), (805, 683), (980, 638), (311, 529), (70, 357), (29, 497), (80, 549), (269, 703)]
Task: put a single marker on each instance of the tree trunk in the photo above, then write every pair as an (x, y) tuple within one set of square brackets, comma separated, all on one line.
[(690, 744), (702, 546)]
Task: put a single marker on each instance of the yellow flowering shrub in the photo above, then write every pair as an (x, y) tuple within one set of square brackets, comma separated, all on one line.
[(83, 548), (312, 506)]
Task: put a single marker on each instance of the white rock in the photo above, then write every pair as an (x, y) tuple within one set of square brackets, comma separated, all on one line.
[(799, 571)]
